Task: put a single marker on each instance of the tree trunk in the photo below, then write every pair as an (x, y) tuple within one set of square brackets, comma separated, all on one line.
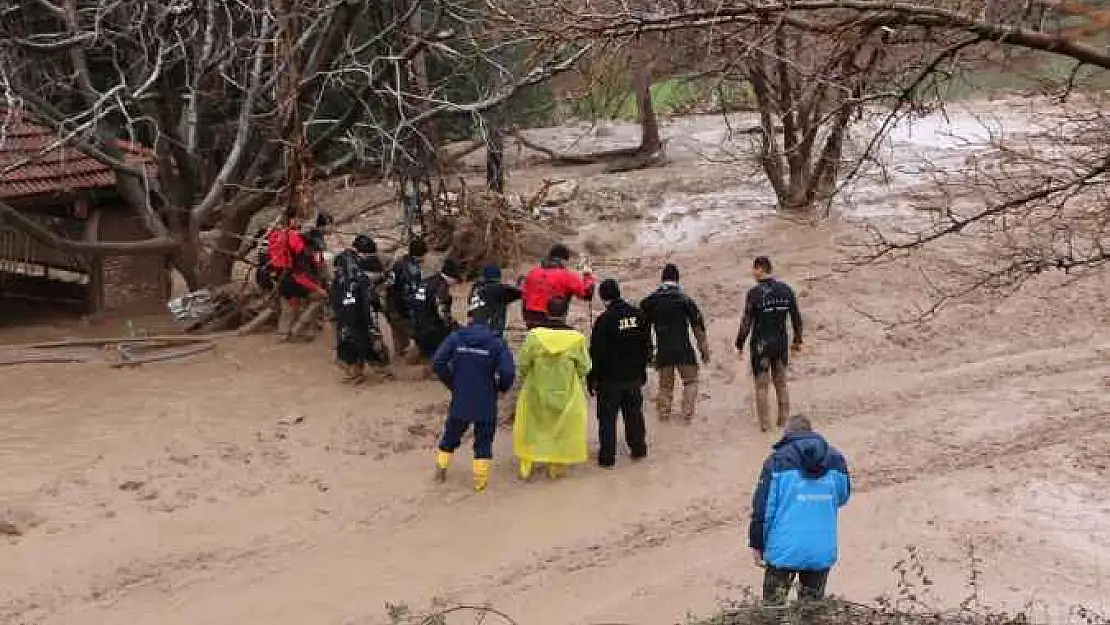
[(495, 156), (641, 84), (428, 141)]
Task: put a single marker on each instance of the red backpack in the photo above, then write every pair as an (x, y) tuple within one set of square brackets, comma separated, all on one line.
[(277, 244)]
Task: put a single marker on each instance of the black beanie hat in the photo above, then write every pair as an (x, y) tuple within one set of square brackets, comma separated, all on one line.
[(609, 290), (558, 307), (418, 248), (670, 273), (559, 251)]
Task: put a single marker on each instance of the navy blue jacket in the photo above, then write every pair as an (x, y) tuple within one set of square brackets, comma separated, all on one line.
[(803, 484), (476, 365)]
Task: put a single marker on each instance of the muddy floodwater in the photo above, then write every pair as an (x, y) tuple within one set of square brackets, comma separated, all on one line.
[(249, 486)]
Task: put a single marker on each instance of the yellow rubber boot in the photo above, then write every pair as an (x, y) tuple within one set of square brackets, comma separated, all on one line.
[(525, 470), (443, 460), (481, 474)]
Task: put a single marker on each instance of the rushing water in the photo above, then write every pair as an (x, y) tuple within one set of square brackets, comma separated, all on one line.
[(912, 150)]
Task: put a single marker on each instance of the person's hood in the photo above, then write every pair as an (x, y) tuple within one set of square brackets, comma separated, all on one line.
[(552, 263), (556, 341), (808, 451)]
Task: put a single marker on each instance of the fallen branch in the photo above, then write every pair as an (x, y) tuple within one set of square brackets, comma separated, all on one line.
[(559, 158), (192, 350), (169, 339), (41, 360), (257, 323), (448, 160)]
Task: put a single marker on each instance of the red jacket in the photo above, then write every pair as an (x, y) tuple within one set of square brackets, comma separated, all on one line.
[(548, 280), (287, 253), (284, 246)]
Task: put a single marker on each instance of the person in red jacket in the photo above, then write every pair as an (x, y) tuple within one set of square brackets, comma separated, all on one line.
[(552, 279), (291, 266)]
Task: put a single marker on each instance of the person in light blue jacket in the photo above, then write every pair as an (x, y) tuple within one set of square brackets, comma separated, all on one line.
[(793, 530)]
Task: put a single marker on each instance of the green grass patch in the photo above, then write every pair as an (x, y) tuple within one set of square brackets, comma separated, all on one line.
[(670, 97)]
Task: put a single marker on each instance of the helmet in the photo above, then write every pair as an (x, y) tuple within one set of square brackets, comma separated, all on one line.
[(364, 244)]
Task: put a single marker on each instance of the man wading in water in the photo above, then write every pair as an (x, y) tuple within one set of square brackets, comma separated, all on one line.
[(766, 308)]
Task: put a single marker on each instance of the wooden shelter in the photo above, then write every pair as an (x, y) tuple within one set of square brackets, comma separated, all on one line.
[(74, 196)]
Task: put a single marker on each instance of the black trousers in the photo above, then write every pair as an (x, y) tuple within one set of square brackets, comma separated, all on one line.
[(484, 431), (630, 403), (777, 583)]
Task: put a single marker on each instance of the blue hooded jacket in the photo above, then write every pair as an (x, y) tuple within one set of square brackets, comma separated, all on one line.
[(476, 365), (803, 484)]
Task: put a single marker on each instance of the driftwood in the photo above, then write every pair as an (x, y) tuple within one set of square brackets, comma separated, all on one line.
[(168, 339), (487, 227), (39, 360), (256, 324), (560, 158), (164, 356)]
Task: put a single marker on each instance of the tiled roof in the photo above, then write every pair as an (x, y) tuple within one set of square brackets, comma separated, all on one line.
[(61, 169)]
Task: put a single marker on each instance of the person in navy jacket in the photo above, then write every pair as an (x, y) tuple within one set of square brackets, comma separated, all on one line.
[(476, 364), (793, 530)]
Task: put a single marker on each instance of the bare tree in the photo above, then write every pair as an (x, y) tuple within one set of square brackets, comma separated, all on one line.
[(818, 67), (228, 111)]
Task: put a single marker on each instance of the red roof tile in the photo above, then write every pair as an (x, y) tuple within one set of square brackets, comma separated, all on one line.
[(51, 169)]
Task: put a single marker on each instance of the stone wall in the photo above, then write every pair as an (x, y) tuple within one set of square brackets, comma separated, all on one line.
[(135, 283)]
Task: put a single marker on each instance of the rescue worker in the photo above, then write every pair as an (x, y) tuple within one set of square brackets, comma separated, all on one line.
[(552, 279), (477, 365), (433, 320), (766, 309), (550, 424), (291, 268), (319, 270), (493, 296), (358, 338), (673, 315), (620, 348), (793, 529), (402, 282)]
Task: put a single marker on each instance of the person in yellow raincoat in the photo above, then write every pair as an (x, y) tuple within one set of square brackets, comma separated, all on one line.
[(551, 411)]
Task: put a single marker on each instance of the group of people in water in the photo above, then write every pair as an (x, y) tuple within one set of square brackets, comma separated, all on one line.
[(803, 482), (557, 366)]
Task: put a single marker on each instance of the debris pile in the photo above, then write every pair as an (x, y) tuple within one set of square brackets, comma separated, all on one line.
[(479, 228)]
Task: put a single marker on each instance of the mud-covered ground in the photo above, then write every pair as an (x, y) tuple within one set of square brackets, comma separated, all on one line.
[(250, 486)]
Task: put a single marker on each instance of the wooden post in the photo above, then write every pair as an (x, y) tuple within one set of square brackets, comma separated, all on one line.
[(95, 264)]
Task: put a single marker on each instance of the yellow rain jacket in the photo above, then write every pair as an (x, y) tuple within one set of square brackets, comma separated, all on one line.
[(551, 412)]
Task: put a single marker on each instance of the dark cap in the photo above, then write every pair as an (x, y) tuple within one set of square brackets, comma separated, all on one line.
[(670, 273), (609, 290), (558, 307), (364, 244), (560, 252), (418, 248)]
